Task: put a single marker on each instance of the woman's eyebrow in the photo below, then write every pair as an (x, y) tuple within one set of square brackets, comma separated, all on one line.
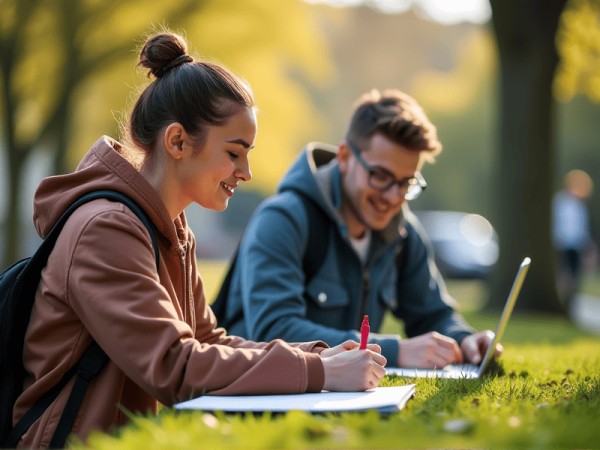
[(240, 141)]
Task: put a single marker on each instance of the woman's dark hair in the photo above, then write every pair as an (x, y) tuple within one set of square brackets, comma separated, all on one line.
[(398, 117), (196, 94)]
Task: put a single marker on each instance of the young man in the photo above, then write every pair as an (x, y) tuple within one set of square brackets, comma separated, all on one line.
[(374, 256)]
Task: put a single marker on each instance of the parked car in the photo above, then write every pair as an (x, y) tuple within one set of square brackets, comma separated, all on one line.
[(465, 245)]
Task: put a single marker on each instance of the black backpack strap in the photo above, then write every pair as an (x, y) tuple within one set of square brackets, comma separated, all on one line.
[(115, 196), (94, 358), (36, 410), (314, 255), (91, 363), (319, 227)]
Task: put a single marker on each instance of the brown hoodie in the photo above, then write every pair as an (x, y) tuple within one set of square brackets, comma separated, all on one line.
[(101, 283)]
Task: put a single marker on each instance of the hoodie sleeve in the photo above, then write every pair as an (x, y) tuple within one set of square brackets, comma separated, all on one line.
[(431, 308), (115, 292)]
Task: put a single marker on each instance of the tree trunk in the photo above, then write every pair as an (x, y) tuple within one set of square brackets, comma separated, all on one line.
[(525, 33), (12, 247), (12, 43)]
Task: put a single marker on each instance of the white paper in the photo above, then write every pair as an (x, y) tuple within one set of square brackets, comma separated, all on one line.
[(381, 398)]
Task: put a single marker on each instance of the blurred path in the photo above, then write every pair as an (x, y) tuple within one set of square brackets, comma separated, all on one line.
[(586, 313)]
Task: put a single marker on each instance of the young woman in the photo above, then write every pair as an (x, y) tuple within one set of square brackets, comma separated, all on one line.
[(189, 136)]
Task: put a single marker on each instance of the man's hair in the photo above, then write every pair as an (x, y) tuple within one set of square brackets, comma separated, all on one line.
[(398, 117)]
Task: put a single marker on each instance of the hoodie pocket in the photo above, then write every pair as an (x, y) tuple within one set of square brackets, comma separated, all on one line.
[(327, 294)]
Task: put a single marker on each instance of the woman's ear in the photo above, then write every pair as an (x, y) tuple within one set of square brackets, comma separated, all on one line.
[(174, 140)]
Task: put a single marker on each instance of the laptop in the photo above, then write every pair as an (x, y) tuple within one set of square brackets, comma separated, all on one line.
[(472, 371)]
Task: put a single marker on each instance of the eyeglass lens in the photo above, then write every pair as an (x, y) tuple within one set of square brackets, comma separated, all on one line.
[(381, 179)]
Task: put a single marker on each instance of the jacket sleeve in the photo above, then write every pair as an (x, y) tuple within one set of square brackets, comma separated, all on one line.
[(272, 282), (115, 292), (424, 303)]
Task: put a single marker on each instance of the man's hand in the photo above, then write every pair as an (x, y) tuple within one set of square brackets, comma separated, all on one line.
[(474, 346), (429, 351), (352, 369)]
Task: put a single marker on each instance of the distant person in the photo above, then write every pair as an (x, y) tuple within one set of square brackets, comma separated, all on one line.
[(572, 230), (187, 141), (374, 255)]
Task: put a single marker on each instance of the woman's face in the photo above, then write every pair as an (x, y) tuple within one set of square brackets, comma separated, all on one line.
[(210, 174)]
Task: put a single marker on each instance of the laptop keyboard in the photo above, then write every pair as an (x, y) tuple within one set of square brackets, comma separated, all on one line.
[(467, 367)]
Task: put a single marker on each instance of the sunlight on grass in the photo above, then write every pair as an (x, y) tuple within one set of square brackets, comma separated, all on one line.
[(545, 393), (548, 397), (590, 283)]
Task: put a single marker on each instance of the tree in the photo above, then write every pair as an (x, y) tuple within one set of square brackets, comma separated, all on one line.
[(64, 68), (525, 32), (39, 91)]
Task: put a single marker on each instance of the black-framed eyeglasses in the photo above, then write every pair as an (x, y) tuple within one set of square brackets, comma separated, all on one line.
[(382, 179)]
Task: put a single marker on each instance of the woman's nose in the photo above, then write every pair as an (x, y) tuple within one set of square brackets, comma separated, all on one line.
[(242, 171)]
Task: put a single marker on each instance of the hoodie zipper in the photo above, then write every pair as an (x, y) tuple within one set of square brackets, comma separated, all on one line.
[(182, 254), (364, 293), (186, 288)]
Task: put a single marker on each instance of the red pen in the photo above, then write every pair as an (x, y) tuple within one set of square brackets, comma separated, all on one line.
[(364, 333)]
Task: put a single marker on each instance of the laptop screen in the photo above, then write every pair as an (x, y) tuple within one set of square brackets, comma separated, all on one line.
[(507, 311)]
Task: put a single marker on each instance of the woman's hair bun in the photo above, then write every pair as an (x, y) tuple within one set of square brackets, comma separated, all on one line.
[(163, 52)]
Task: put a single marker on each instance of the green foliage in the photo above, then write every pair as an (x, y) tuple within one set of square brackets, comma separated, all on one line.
[(578, 43), (83, 55), (67, 71), (273, 48)]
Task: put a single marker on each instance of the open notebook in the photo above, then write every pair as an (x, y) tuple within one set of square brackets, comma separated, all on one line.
[(460, 371), (382, 399)]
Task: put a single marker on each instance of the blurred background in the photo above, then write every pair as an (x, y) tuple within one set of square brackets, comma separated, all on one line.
[(69, 76)]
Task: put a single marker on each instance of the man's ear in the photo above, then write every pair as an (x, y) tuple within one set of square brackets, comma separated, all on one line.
[(174, 140), (343, 156)]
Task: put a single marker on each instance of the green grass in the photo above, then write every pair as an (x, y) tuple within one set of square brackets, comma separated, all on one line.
[(545, 393), (590, 283)]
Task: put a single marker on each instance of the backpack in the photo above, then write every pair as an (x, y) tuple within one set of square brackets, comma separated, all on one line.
[(18, 285), (311, 261)]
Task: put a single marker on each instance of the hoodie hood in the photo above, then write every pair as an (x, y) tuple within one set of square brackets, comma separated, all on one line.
[(316, 175), (103, 167)]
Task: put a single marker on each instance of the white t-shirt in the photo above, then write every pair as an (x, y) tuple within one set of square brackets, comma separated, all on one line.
[(361, 245)]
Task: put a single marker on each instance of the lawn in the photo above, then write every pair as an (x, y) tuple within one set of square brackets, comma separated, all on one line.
[(544, 394)]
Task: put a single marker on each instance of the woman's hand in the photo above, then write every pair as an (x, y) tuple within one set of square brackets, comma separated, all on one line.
[(346, 346), (349, 369)]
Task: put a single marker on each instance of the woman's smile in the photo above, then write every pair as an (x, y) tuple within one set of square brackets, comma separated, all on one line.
[(229, 189)]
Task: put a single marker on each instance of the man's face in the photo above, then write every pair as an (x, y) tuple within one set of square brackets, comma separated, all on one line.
[(364, 206)]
